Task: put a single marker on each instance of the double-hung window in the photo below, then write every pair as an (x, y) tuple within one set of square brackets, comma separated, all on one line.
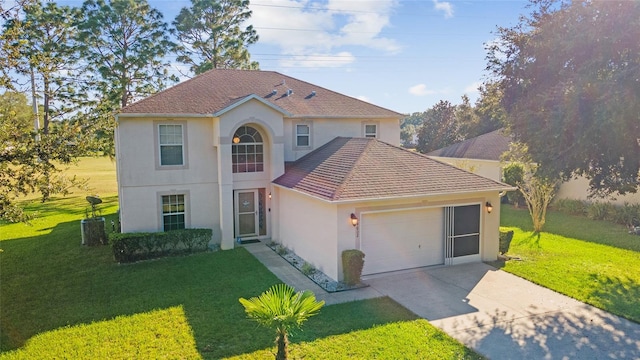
[(171, 144), (173, 211), (303, 133)]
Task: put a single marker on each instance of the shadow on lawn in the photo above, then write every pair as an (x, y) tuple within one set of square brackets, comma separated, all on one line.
[(51, 281), (619, 294)]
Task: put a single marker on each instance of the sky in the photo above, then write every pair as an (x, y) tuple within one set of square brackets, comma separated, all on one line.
[(402, 55)]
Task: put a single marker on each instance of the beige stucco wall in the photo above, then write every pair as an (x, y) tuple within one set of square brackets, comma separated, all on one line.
[(489, 223), (319, 231), (325, 130), (578, 189), (140, 183), (488, 168), (308, 227)]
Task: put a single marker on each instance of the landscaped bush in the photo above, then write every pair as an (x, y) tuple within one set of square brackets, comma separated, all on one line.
[(513, 174), (571, 206), (308, 269), (130, 247), (598, 210), (352, 264), (505, 240)]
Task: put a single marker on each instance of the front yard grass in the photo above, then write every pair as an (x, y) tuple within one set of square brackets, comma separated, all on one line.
[(63, 300), (596, 262)]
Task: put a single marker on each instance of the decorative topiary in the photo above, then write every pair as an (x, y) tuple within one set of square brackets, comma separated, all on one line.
[(352, 264), (505, 240)]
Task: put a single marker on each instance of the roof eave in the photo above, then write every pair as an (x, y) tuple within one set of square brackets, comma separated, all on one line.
[(314, 116), (413, 196), (156, 115)]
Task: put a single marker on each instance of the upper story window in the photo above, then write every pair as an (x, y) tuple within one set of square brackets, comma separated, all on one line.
[(170, 139), (303, 133), (247, 151), (371, 130)]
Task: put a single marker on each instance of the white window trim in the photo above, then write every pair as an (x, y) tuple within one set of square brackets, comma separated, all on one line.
[(364, 129), (187, 207), (156, 140), (309, 124)]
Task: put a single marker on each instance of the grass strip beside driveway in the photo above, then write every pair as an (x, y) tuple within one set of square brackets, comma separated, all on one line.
[(596, 262)]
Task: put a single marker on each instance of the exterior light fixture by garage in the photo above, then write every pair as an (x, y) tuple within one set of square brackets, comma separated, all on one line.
[(236, 139), (269, 196), (489, 207), (354, 219)]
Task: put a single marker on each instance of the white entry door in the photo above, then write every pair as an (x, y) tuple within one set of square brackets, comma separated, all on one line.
[(246, 213)]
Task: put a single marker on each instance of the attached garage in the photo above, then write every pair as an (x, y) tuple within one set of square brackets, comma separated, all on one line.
[(403, 210), (402, 239)]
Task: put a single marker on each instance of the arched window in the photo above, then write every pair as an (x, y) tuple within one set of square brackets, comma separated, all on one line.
[(247, 150)]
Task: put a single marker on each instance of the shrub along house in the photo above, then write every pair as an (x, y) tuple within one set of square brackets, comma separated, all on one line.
[(257, 155)]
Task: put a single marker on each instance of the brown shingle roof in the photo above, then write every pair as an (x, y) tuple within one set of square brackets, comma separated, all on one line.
[(362, 168), (218, 89), (489, 146)]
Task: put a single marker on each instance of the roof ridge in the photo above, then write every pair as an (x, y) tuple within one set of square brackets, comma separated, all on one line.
[(337, 93), (355, 166), (181, 84)]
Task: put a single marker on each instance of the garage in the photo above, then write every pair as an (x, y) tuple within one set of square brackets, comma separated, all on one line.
[(402, 239)]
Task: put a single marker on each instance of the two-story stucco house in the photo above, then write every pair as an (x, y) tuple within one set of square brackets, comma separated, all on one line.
[(260, 155)]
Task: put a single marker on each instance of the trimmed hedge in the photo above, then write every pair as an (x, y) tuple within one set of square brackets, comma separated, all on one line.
[(130, 247), (352, 264), (505, 240)]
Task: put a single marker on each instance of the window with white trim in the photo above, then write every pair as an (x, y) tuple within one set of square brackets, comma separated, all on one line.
[(303, 135), (371, 130), (170, 140), (247, 150), (173, 212)]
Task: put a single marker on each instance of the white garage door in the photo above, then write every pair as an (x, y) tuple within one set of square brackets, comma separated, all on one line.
[(405, 239)]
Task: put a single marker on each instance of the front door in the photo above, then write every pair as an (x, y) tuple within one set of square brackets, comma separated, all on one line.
[(246, 211)]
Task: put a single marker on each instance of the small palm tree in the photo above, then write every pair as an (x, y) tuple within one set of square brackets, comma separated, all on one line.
[(282, 309)]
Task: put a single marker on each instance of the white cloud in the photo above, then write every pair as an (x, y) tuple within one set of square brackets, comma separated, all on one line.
[(315, 34), (472, 88), (319, 60), (422, 90), (445, 7)]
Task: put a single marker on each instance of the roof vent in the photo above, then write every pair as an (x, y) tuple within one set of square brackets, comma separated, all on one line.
[(313, 93), (274, 91), (289, 92)]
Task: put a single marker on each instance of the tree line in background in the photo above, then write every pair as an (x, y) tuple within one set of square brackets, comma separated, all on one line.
[(564, 81), (82, 65), (445, 124)]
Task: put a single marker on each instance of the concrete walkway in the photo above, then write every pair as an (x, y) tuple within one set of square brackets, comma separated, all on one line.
[(496, 313)]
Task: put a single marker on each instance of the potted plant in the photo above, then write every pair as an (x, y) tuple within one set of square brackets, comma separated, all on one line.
[(92, 226)]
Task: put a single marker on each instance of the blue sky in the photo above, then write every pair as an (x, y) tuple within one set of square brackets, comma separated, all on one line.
[(402, 55)]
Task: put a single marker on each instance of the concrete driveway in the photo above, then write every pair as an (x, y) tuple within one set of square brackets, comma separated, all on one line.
[(505, 317)]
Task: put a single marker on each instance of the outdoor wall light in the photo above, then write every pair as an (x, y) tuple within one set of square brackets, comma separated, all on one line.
[(269, 196), (354, 219), (489, 207)]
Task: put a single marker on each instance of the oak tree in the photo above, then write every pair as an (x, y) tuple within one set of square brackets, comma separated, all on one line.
[(569, 73)]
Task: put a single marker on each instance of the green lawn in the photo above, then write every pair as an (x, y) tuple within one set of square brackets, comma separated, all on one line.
[(596, 262), (63, 300)]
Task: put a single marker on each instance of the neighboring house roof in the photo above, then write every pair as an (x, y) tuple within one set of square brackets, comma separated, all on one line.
[(363, 168), (489, 146), (215, 90)]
